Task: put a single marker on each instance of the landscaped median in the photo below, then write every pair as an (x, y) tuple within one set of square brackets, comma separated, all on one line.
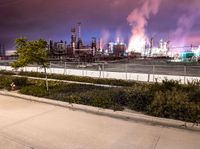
[(168, 99)]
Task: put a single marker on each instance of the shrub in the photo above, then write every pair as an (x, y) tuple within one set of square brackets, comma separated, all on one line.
[(20, 82), (72, 99), (5, 82), (174, 104), (139, 98), (166, 85), (5, 72), (34, 90), (98, 98)]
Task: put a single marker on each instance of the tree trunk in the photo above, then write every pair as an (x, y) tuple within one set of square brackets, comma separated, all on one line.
[(46, 79)]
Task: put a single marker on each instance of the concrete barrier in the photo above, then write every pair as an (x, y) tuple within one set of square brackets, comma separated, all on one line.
[(109, 75)]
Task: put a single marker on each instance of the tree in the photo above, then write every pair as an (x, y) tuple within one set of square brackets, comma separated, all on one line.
[(32, 52)]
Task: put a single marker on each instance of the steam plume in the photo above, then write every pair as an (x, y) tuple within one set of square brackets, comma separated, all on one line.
[(138, 19), (104, 37)]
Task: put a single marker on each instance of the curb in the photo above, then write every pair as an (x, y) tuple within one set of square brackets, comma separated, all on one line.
[(140, 118)]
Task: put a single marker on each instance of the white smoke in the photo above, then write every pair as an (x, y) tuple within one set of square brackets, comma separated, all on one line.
[(138, 19), (105, 34), (185, 23), (118, 36)]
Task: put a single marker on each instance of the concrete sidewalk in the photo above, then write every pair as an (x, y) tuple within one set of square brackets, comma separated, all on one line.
[(33, 125), (110, 113)]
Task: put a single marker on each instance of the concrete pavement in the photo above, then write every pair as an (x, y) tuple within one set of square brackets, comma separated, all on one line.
[(27, 124)]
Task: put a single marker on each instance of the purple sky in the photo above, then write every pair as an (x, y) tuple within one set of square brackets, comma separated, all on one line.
[(52, 19)]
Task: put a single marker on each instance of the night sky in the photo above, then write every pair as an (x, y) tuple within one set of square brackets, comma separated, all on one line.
[(52, 19)]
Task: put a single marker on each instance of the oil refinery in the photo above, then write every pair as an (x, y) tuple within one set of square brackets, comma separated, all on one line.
[(96, 50), (138, 47)]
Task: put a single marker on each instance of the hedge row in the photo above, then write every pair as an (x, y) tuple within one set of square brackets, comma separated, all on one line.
[(5, 72), (6, 81)]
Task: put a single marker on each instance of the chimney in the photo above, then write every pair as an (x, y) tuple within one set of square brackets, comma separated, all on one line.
[(73, 38), (80, 43)]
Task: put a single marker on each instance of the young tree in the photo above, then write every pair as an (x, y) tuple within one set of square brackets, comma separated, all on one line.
[(32, 52)]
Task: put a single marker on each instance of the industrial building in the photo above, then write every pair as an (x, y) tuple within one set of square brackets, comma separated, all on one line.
[(75, 50), (116, 49)]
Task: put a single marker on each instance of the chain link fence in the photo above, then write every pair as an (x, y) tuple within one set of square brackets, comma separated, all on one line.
[(125, 71)]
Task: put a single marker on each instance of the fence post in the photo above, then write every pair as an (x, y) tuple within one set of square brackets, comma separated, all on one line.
[(185, 73), (153, 73), (65, 65), (103, 69), (148, 80), (82, 70), (50, 67), (126, 71), (99, 71)]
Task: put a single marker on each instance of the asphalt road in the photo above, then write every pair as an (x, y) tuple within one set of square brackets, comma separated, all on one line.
[(28, 125), (164, 69), (146, 67)]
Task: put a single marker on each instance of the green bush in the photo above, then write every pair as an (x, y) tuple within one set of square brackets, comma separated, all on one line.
[(5, 72), (72, 99), (166, 85), (20, 82), (139, 98), (5, 82), (34, 90), (99, 98), (174, 104)]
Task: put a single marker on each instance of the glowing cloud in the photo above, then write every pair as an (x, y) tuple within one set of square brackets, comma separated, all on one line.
[(138, 19)]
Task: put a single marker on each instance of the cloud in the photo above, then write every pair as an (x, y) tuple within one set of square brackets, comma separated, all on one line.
[(185, 23)]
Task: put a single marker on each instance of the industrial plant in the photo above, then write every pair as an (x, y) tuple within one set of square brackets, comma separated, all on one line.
[(77, 51)]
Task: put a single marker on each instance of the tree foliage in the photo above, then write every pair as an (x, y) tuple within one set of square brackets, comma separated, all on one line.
[(31, 52)]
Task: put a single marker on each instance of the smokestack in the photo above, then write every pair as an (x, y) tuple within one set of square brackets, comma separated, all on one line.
[(73, 38), (80, 43), (79, 30), (94, 45), (151, 45)]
